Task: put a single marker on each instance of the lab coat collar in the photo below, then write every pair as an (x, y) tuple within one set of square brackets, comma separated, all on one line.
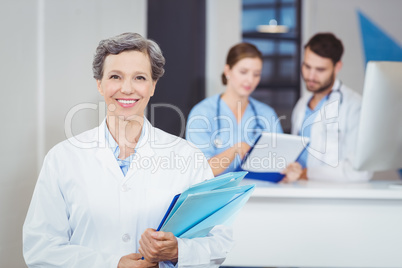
[(106, 155), (336, 85), (143, 149), (334, 99), (147, 136), (301, 110), (144, 144)]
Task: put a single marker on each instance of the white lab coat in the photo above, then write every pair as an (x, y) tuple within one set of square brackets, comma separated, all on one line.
[(85, 213), (333, 136)]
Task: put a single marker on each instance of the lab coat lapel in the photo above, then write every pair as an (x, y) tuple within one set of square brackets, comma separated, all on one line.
[(336, 94), (300, 115), (143, 149), (105, 155), (109, 163)]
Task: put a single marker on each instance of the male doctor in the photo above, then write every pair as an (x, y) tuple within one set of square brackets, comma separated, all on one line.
[(328, 115)]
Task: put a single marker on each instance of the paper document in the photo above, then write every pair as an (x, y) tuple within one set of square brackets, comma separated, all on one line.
[(271, 154), (213, 202)]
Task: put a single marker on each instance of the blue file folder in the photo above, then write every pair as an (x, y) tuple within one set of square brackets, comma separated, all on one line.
[(213, 202)]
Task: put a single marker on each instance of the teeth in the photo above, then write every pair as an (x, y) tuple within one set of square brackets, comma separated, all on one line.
[(127, 101)]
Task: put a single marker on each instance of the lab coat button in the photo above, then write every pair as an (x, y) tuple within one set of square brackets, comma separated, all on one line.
[(125, 188), (126, 238)]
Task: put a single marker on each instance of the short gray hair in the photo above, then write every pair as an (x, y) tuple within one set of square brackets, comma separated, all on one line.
[(128, 41)]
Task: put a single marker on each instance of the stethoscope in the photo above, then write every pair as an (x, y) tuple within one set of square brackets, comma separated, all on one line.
[(218, 141), (338, 90)]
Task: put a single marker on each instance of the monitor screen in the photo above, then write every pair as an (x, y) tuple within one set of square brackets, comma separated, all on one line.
[(379, 143)]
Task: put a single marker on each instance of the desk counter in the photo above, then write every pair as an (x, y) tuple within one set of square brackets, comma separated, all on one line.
[(312, 189), (316, 224)]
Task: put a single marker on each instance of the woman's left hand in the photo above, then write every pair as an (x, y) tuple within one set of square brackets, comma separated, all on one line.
[(156, 246), (292, 172)]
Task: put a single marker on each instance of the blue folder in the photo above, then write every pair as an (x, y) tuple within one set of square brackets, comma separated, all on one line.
[(264, 176), (224, 215), (197, 210)]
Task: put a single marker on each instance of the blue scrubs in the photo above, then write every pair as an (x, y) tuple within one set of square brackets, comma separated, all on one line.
[(308, 121), (202, 126)]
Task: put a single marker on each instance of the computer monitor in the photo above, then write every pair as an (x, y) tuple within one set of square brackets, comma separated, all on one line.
[(379, 143)]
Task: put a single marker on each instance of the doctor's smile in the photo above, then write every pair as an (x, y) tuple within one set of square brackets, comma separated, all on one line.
[(127, 103)]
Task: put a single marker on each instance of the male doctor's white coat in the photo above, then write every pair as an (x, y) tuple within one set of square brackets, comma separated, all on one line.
[(333, 136), (85, 213)]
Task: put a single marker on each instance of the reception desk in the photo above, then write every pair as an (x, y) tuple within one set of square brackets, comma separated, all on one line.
[(312, 224)]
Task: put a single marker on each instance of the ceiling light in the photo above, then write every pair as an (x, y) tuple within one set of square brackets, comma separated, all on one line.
[(273, 27)]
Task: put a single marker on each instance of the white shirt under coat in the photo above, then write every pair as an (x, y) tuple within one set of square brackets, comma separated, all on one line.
[(333, 136), (85, 213)]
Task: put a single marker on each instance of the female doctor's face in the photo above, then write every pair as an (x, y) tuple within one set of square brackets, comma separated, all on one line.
[(244, 76), (127, 84)]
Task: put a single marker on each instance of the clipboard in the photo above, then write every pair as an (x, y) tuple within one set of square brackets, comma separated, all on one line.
[(271, 154)]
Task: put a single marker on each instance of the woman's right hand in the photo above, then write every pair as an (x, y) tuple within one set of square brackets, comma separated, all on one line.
[(221, 161), (242, 149), (292, 172), (134, 260)]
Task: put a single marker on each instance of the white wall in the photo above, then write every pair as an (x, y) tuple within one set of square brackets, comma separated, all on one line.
[(223, 31), (18, 132), (46, 50), (73, 30), (340, 17)]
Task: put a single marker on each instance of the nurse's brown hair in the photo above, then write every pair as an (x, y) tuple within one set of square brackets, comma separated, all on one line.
[(239, 52)]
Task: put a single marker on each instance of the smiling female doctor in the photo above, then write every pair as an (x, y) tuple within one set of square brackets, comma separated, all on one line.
[(95, 203)]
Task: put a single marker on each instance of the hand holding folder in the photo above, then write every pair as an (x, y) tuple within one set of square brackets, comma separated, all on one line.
[(213, 202)]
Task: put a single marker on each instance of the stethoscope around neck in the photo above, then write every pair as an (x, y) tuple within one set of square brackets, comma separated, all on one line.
[(337, 90), (218, 140)]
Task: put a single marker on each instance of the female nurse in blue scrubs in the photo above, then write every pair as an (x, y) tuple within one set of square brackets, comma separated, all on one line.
[(226, 125)]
